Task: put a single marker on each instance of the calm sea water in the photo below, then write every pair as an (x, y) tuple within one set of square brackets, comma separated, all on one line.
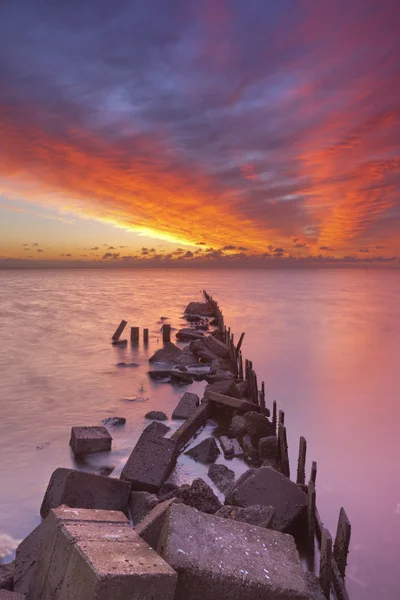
[(326, 343)]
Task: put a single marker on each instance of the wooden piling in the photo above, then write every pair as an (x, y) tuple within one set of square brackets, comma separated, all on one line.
[(274, 408), (325, 569), (240, 342), (135, 335), (281, 419), (301, 463), (119, 330), (241, 374), (313, 476), (342, 542), (283, 451), (166, 331), (262, 398), (311, 507), (145, 335)]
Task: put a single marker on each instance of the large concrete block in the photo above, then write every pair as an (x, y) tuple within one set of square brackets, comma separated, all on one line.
[(150, 463), (7, 573), (151, 526), (84, 490), (88, 440), (187, 405), (25, 560), (140, 504), (7, 595), (219, 348), (270, 488), (229, 560)]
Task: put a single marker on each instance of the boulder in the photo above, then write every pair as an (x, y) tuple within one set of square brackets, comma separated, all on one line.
[(114, 421), (268, 448), (186, 406), (166, 355), (187, 335), (203, 309), (158, 415), (150, 527), (157, 428), (225, 559), (230, 447), (222, 477), (270, 488), (219, 348), (258, 426), (250, 451), (192, 318), (150, 463), (259, 515), (198, 495), (238, 426), (84, 490), (7, 576), (206, 451), (140, 504), (227, 388), (87, 440)]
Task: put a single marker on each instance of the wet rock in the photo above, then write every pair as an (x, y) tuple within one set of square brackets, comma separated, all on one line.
[(268, 448), (192, 318), (104, 471), (88, 440), (270, 488), (186, 406), (114, 421), (238, 426), (259, 515), (222, 477), (258, 426), (250, 451), (206, 452), (313, 586), (181, 377), (219, 348), (227, 388), (231, 447), (150, 527), (187, 358), (203, 309), (157, 415), (198, 495), (140, 504), (202, 351), (157, 428), (166, 355), (187, 335), (131, 365), (7, 576), (243, 477), (243, 388)]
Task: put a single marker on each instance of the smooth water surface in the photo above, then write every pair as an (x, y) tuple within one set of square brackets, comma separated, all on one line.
[(326, 343)]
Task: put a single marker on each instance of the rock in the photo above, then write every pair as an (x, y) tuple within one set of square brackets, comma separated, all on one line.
[(104, 471), (270, 488), (243, 388), (219, 348), (259, 515), (187, 335), (192, 318), (131, 365), (186, 406), (7, 595), (87, 440), (158, 415), (99, 561), (7, 576), (273, 464), (230, 448), (198, 495), (249, 450), (181, 377), (203, 309), (206, 452), (222, 477), (313, 586), (187, 358), (229, 560), (214, 322), (150, 463), (114, 421), (238, 426), (157, 428), (258, 426), (150, 527), (84, 490), (268, 448), (227, 388), (140, 504), (202, 351), (243, 477), (166, 355)]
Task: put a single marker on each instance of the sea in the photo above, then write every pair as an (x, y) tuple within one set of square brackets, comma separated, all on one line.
[(325, 342)]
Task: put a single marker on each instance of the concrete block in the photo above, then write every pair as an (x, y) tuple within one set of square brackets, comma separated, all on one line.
[(25, 560), (261, 516), (7, 595), (219, 348), (187, 405), (222, 477), (157, 428), (258, 426), (77, 489), (150, 463), (270, 488), (203, 309), (150, 527), (206, 451), (229, 560), (166, 355), (192, 424), (87, 440), (7, 573), (227, 388), (140, 504), (230, 447), (268, 448), (249, 450)]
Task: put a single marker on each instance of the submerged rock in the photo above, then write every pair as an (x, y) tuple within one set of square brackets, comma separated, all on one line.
[(114, 421), (168, 354), (203, 309), (158, 415)]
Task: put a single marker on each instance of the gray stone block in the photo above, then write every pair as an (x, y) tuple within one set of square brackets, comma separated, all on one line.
[(84, 490), (206, 451), (187, 405), (140, 504), (230, 447), (229, 560), (150, 463), (7, 572), (87, 440), (149, 528), (261, 516), (222, 477)]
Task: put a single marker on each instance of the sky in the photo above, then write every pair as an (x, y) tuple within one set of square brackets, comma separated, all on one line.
[(195, 132)]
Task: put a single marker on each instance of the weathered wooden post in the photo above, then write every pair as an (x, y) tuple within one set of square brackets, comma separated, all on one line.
[(281, 420), (342, 542), (135, 335), (240, 342), (166, 331), (313, 476), (283, 451), (325, 569), (241, 374), (145, 335), (301, 463), (262, 398), (119, 330), (311, 506), (274, 408)]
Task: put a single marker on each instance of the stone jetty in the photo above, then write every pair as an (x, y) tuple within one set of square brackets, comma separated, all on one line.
[(222, 537)]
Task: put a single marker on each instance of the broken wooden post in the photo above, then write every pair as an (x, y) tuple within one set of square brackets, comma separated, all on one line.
[(119, 330), (135, 335), (262, 398), (301, 463), (274, 407), (283, 451), (313, 476), (166, 331), (281, 420), (145, 335), (342, 542), (241, 374), (240, 342), (311, 505), (325, 569)]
